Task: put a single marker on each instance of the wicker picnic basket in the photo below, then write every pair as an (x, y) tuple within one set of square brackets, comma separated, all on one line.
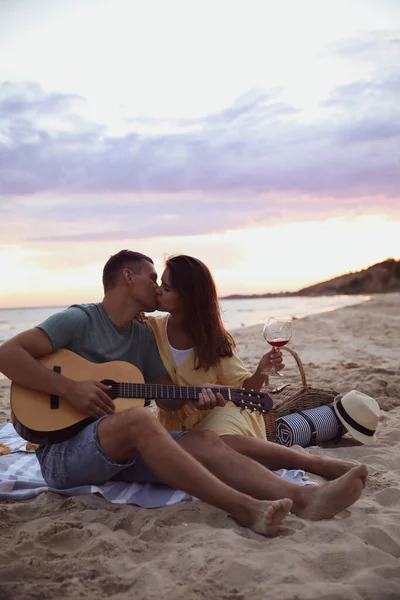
[(294, 397)]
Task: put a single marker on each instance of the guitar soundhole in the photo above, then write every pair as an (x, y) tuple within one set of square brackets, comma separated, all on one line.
[(113, 393)]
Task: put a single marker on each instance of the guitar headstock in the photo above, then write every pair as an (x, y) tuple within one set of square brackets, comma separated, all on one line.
[(251, 400)]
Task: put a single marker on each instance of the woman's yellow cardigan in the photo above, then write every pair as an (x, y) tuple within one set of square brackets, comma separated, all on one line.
[(230, 371)]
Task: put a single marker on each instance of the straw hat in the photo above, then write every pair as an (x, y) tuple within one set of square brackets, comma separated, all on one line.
[(359, 414)]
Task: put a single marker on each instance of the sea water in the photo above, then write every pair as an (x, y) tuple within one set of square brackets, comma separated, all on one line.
[(235, 313)]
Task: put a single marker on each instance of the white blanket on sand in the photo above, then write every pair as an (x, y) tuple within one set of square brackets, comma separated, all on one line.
[(21, 479)]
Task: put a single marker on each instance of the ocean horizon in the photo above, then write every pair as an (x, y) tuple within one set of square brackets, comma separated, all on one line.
[(236, 313)]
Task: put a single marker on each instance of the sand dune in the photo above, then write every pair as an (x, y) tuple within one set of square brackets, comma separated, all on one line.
[(84, 547)]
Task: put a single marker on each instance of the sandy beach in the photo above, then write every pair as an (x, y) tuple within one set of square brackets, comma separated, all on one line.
[(85, 547)]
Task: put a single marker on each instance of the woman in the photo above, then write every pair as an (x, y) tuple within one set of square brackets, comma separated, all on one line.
[(195, 348)]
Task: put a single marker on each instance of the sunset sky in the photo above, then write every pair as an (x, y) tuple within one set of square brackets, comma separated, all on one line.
[(262, 137)]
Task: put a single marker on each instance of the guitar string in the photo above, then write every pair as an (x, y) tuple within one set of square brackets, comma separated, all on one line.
[(163, 391)]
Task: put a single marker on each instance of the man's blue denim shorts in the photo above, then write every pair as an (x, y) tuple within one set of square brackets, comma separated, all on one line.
[(82, 461)]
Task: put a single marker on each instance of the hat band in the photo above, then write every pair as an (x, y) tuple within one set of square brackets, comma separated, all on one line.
[(345, 415)]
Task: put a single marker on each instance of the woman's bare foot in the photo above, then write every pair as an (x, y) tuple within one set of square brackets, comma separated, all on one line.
[(325, 501), (330, 468), (266, 516), (300, 449)]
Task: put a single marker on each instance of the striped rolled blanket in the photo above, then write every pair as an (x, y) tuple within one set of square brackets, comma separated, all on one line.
[(308, 427)]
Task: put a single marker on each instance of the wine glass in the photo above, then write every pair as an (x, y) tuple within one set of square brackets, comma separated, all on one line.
[(277, 332)]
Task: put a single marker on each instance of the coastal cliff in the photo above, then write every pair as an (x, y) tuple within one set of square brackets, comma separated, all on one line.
[(376, 279)]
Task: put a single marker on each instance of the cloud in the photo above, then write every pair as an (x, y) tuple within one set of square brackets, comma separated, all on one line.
[(28, 98), (74, 221), (253, 162), (370, 46), (368, 96), (99, 219), (255, 146)]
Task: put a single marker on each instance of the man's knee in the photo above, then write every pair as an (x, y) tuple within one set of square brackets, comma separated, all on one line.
[(130, 430), (131, 423), (139, 419), (126, 433)]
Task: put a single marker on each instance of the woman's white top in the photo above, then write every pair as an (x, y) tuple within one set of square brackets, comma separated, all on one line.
[(178, 355)]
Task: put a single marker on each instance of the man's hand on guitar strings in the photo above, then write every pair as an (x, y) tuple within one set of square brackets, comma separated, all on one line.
[(91, 398)]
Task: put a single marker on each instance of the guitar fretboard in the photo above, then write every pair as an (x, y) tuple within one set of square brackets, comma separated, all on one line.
[(153, 390)]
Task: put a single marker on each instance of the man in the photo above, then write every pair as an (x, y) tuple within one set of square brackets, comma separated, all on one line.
[(132, 445)]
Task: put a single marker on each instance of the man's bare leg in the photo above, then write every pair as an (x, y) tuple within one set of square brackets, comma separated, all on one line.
[(274, 457), (249, 477), (124, 435)]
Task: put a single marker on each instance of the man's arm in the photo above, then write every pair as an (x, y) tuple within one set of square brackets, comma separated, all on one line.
[(18, 362), (17, 356)]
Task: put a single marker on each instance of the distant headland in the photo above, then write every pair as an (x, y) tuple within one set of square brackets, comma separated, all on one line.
[(377, 279)]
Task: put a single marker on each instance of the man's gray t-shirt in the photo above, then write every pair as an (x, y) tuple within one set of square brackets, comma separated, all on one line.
[(87, 330)]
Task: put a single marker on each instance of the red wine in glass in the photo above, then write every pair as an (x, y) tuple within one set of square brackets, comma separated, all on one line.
[(277, 343), (277, 332)]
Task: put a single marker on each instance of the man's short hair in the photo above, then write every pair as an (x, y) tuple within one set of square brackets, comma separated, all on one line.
[(125, 259)]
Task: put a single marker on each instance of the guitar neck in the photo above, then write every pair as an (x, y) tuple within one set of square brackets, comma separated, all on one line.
[(153, 390)]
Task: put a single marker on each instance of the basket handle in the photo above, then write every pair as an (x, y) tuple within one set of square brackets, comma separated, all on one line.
[(299, 364)]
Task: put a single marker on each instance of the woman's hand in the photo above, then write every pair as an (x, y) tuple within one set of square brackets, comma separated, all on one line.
[(208, 400), (141, 317), (272, 361)]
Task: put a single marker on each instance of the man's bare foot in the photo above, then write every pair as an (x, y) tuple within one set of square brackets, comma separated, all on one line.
[(271, 516), (266, 516), (326, 501)]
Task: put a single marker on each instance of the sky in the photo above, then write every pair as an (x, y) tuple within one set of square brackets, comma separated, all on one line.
[(262, 137)]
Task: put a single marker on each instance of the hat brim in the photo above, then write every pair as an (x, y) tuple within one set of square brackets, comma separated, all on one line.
[(360, 437)]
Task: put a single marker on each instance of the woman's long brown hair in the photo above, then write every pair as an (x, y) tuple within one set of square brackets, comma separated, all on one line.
[(201, 312)]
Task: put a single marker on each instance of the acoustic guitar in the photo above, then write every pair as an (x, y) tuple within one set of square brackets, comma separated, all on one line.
[(43, 419)]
